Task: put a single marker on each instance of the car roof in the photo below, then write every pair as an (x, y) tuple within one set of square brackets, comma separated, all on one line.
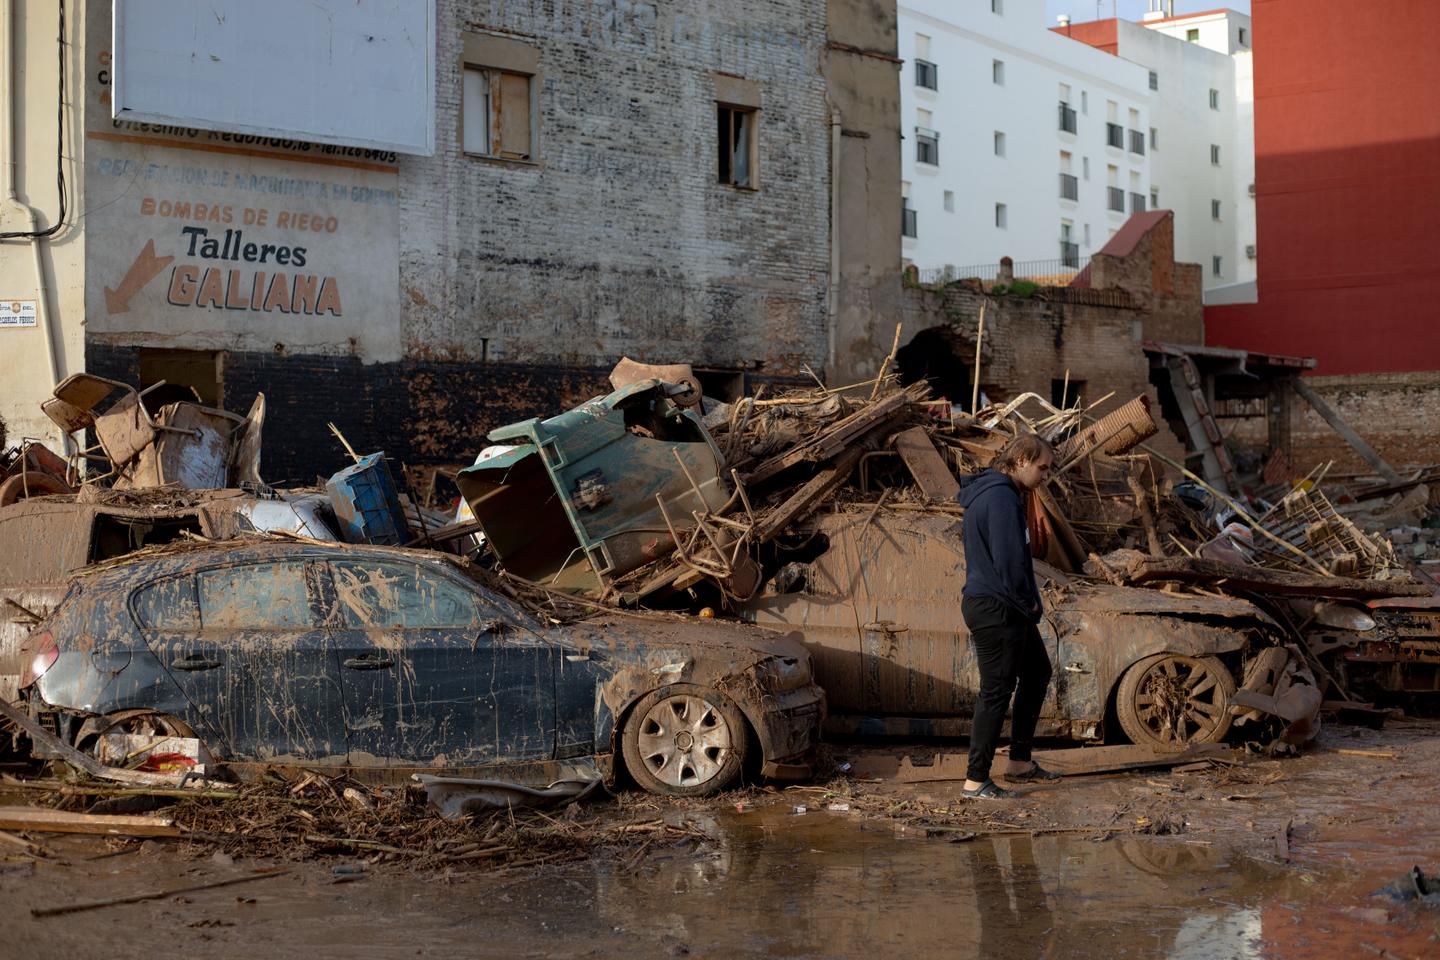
[(181, 556)]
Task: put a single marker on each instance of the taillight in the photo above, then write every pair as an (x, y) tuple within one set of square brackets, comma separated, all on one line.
[(46, 653)]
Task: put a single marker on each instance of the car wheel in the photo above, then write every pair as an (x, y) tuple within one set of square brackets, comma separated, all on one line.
[(1168, 701), (139, 722), (684, 741)]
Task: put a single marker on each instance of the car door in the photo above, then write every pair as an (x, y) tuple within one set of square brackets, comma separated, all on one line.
[(257, 660), (434, 673)]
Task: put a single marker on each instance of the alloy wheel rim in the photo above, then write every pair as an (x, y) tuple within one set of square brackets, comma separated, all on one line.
[(1180, 701), (684, 741)]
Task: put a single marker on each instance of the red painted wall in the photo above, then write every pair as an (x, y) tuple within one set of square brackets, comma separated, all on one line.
[(1347, 178)]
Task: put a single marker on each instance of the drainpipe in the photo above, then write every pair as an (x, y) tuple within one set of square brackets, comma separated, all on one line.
[(832, 302), (12, 197)]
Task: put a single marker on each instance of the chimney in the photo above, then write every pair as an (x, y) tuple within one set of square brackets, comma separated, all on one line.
[(1063, 19)]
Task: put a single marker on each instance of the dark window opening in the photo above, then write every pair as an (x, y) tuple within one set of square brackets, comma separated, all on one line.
[(937, 356), (1065, 394), (187, 375), (735, 135), (115, 536), (727, 386), (927, 75)]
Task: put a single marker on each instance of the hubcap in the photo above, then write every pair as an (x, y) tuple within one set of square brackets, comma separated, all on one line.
[(1180, 701), (684, 741)]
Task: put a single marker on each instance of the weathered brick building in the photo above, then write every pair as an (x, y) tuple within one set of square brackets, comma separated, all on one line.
[(683, 181)]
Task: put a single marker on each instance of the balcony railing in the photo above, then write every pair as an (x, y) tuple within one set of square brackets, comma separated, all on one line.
[(1043, 272), (1115, 135), (1117, 199), (908, 222), (1069, 187), (1067, 117), (1137, 203), (1137, 142), (1070, 254)]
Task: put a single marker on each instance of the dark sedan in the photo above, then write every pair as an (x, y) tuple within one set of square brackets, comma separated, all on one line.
[(278, 652)]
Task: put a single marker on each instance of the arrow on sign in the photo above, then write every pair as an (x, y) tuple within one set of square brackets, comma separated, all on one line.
[(145, 268)]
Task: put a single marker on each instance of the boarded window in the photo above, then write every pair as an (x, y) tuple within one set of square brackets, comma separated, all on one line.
[(497, 114), (259, 596), (382, 595)]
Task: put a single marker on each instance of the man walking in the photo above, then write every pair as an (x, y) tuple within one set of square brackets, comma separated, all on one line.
[(1001, 606)]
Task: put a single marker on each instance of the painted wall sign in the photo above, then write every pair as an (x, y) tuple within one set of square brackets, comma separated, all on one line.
[(199, 240), (17, 313)]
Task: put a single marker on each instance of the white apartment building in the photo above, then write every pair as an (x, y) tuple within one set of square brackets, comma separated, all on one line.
[(1024, 142), (1202, 163), (1011, 136)]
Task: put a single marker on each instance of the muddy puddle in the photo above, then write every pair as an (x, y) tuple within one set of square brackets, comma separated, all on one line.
[(768, 883)]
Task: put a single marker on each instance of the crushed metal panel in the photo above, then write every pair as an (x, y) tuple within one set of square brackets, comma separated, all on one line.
[(601, 470)]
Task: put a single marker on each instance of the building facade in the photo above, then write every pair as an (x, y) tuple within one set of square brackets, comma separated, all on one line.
[(1347, 181), (1018, 142), (1052, 149), (670, 182)]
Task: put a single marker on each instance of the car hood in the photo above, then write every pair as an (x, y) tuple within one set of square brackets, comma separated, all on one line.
[(1104, 598), (637, 638)]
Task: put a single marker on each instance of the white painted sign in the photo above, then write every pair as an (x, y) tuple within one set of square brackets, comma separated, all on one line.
[(17, 313), (358, 73)]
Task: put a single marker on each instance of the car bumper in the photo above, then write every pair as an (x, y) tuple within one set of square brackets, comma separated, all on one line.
[(789, 727)]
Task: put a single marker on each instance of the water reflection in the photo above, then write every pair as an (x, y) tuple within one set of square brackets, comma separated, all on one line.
[(828, 886)]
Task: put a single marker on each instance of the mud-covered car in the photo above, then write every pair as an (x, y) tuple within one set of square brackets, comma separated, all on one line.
[(877, 600), (370, 658), (44, 539)]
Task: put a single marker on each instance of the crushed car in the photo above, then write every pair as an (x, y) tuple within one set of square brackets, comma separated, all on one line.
[(877, 600), (389, 662)]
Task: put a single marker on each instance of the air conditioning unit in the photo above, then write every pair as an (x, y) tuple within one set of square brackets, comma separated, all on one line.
[(1250, 251), (1252, 189)]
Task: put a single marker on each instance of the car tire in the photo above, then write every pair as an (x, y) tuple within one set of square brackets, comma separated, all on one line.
[(31, 483), (684, 740), (1153, 713)]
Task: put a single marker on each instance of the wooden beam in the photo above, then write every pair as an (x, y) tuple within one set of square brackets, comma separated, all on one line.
[(43, 820), (926, 465), (1338, 424), (1238, 577), (802, 501)]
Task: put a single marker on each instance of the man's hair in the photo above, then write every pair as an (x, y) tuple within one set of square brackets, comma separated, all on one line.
[(1026, 448)]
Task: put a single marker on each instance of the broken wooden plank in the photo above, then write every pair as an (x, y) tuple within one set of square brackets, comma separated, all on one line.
[(926, 465), (841, 435), (1347, 433), (1071, 762), (155, 895), (803, 500), (44, 820), (1264, 579)]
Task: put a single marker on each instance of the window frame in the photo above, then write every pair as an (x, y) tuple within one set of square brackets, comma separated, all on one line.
[(932, 138), (752, 145), (997, 72), (495, 58), (1002, 216), (927, 69)]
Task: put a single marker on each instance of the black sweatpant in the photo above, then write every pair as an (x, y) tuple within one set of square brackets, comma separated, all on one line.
[(1012, 660)]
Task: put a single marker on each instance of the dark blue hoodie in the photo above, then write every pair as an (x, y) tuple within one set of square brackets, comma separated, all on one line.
[(997, 543)]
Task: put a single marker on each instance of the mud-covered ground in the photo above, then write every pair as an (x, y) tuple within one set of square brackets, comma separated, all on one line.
[(1262, 858)]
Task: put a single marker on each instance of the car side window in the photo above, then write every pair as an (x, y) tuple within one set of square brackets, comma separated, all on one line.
[(167, 605), (255, 595), (399, 595)]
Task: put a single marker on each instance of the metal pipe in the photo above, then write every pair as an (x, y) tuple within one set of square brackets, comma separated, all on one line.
[(832, 302)]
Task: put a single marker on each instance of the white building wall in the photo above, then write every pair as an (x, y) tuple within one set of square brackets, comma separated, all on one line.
[(1183, 172), (968, 108)]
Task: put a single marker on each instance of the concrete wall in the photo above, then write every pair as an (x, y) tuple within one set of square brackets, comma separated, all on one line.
[(618, 237), (33, 357), (1397, 413), (969, 108), (440, 297), (863, 75)]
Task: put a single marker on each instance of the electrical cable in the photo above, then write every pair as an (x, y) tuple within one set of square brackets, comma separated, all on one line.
[(59, 150)]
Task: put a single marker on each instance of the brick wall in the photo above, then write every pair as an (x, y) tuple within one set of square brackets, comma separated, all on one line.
[(619, 239), (1396, 413)]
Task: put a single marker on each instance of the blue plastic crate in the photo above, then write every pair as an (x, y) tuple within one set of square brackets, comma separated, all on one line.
[(365, 502)]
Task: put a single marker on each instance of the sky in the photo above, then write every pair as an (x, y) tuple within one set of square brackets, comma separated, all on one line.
[(1081, 10)]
